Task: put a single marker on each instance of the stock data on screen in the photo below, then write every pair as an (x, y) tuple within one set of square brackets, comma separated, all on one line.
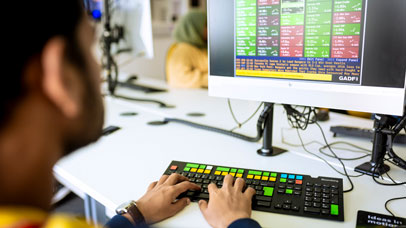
[(318, 40)]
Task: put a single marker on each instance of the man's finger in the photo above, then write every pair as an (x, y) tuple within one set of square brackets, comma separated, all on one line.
[(212, 188), (250, 192), (179, 205), (162, 179), (152, 185), (239, 184), (203, 207), (183, 187), (174, 178), (228, 181)]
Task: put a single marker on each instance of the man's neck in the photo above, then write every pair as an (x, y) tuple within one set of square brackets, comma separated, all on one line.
[(28, 151)]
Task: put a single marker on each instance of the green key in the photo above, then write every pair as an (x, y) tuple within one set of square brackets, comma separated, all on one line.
[(202, 166), (282, 180), (240, 171), (190, 165), (266, 174), (255, 173), (268, 191), (334, 209), (274, 174), (186, 169), (222, 169), (233, 170), (289, 191)]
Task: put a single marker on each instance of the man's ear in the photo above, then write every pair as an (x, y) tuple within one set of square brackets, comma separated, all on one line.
[(57, 78)]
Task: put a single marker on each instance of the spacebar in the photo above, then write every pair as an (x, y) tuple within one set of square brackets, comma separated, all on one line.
[(202, 196)]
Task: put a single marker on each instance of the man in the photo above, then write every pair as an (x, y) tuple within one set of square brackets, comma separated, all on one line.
[(50, 105)]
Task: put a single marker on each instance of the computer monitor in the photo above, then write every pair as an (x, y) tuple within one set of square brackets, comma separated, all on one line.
[(340, 54), (134, 17)]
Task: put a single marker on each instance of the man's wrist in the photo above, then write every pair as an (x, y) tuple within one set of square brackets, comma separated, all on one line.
[(127, 216)]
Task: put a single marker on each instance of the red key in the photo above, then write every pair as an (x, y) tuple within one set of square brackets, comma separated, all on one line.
[(299, 181), (174, 167)]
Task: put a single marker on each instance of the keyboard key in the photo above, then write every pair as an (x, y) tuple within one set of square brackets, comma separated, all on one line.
[(298, 188), (284, 175), (263, 204), (309, 193), (282, 186), (257, 173), (278, 206), (273, 179), (288, 201), (263, 198), (265, 174), (264, 178), (198, 175), (286, 206), (217, 173), (274, 175), (193, 170), (209, 167), (307, 204), (289, 191), (299, 182), (258, 187), (325, 206), (325, 211), (309, 184), (223, 169), (200, 170), (255, 182), (308, 198), (233, 170), (241, 171), (224, 173), (325, 201), (191, 165), (295, 208), (316, 205), (268, 191), (334, 209), (281, 191), (282, 180), (248, 181), (207, 171), (312, 210), (199, 180), (257, 177), (239, 175), (298, 193), (203, 196), (291, 176), (186, 169), (259, 193), (299, 177), (250, 176), (309, 189), (206, 181), (316, 199)]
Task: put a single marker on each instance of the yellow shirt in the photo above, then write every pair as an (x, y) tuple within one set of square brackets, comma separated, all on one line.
[(187, 66), (26, 217)]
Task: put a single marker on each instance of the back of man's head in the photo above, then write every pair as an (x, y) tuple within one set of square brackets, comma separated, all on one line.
[(26, 27)]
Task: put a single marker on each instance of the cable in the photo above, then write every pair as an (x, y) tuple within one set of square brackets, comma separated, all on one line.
[(299, 119), (335, 155), (390, 200), (239, 125), (260, 126), (160, 103), (321, 158)]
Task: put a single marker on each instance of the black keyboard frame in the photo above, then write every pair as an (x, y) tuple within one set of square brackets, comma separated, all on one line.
[(278, 198)]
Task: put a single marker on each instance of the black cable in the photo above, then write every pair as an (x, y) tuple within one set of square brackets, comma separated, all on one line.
[(217, 130), (335, 155), (344, 159), (260, 126), (160, 103), (393, 199), (321, 158)]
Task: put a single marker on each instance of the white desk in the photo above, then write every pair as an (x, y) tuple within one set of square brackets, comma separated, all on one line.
[(119, 167)]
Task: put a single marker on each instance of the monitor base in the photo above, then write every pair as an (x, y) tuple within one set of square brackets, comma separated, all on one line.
[(368, 168), (271, 152)]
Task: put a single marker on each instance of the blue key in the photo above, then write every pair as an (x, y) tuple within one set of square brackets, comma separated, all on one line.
[(299, 177), (291, 176), (284, 175)]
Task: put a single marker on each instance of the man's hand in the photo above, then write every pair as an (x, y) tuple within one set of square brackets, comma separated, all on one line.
[(160, 202), (228, 203)]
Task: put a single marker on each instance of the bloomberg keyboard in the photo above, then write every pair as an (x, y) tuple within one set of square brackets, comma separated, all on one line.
[(276, 192)]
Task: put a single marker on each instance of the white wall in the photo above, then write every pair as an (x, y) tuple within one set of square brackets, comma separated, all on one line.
[(153, 68)]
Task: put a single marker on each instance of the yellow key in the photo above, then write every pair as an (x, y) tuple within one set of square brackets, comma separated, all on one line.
[(257, 177), (239, 175), (200, 170), (193, 170), (207, 171), (224, 173), (232, 174), (250, 176), (264, 178), (217, 173), (273, 179)]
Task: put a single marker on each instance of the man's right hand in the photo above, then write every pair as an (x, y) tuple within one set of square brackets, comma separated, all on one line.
[(227, 204)]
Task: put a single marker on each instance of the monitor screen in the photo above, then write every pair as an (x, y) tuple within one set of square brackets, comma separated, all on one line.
[(352, 49)]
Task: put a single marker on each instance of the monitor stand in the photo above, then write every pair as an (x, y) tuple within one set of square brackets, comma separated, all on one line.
[(267, 148), (376, 166)]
